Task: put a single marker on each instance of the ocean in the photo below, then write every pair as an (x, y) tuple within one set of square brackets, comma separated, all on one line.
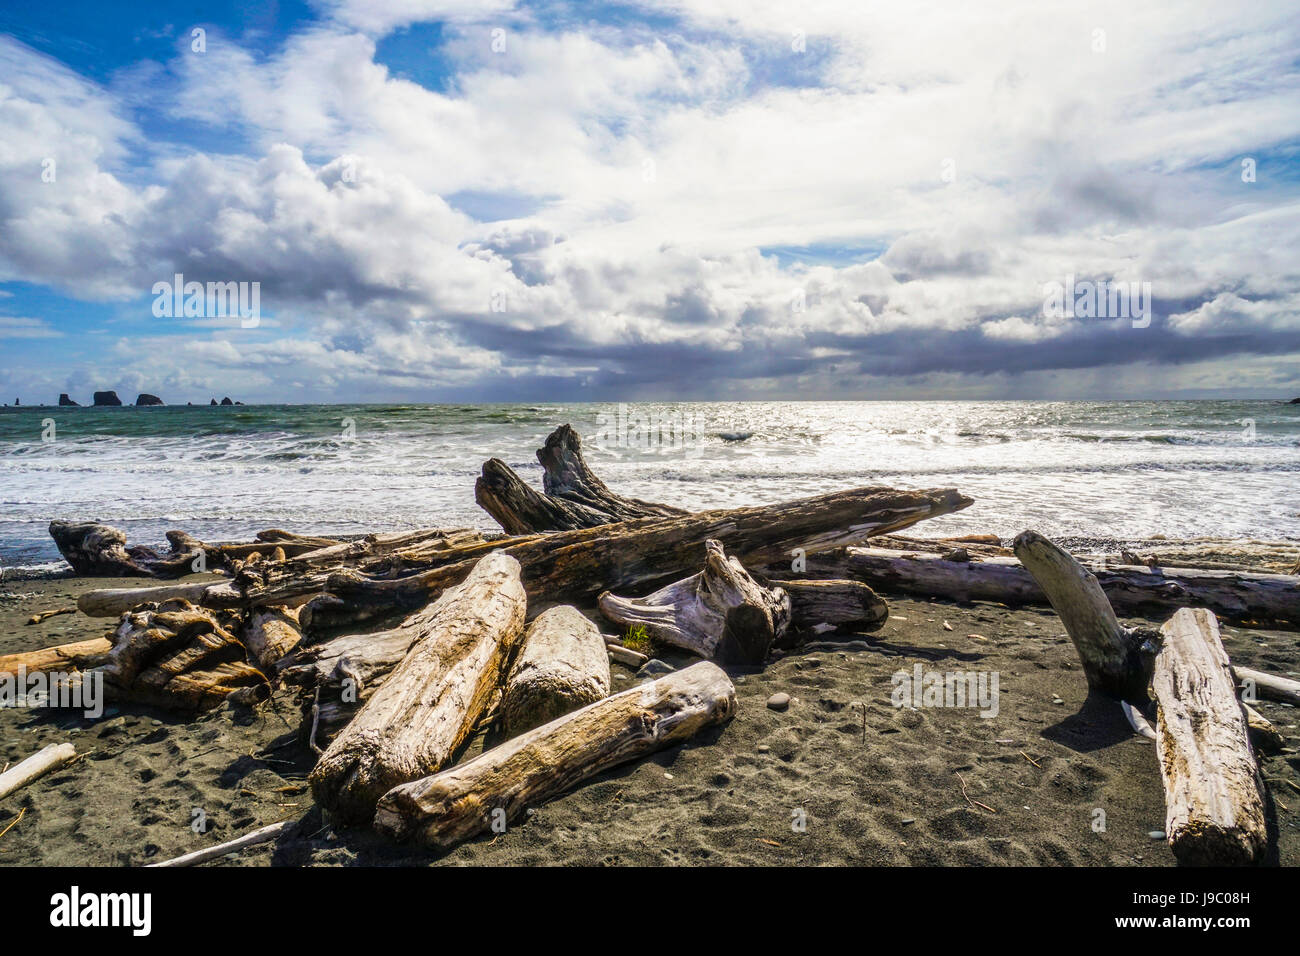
[(1067, 469)]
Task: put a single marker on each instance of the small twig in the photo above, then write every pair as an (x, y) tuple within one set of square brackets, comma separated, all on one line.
[(1031, 760), (15, 823), (973, 803), (315, 720)]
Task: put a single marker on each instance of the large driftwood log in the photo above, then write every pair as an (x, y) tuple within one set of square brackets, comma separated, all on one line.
[(574, 497), (442, 810), (1271, 599), (1213, 792), (271, 634), (718, 613), (35, 767), (180, 656), (577, 566), (562, 665), (76, 656), (842, 604), (431, 702), (1116, 660)]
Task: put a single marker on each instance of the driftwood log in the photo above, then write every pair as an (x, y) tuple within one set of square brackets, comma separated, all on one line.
[(562, 665), (1269, 599), (1261, 685), (573, 497), (719, 613), (180, 656), (496, 787), (577, 565), (77, 656), (431, 702), (35, 767), (1213, 793), (1116, 660), (270, 634), (845, 605)]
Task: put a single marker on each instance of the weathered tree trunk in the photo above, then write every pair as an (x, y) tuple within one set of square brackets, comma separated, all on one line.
[(1270, 599), (35, 767), (1213, 793), (270, 634), (430, 703), (562, 665), (114, 602), (577, 566), (442, 810), (718, 613), (841, 604), (1116, 661), (96, 550), (76, 656), (179, 656), (574, 497)]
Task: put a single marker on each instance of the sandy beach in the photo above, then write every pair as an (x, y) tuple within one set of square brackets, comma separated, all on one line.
[(873, 784)]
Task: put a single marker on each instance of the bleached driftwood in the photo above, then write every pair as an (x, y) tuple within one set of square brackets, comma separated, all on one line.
[(1213, 793), (573, 496), (1266, 738), (577, 565), (719, 613), (1116, 660), (1272, 599), (43, 616), (35, 767), (270, 634), (626, 656), (562, 665), (76, 656), (261, 835), (1268, 686), (431, 702), (446, 808)]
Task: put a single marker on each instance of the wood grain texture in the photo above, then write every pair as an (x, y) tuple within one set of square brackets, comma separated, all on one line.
[(719, 613), (1213, 792), (562, 665), (76, 656), (444, 809), (428, 706)]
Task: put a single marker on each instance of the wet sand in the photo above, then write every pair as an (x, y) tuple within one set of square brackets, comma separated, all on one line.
[(874, 784)]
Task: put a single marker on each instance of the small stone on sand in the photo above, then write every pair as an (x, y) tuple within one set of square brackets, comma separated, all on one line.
[(778, 701)]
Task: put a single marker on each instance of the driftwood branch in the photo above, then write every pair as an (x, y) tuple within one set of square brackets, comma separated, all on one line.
[(35, 767), (263, 835)]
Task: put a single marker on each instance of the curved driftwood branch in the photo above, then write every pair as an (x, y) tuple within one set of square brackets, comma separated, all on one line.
[(1116, 661), (35, 767), (573, 497), (497, 786), (720, 613)]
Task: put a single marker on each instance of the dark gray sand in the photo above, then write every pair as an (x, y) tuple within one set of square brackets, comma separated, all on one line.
[(889, 792)]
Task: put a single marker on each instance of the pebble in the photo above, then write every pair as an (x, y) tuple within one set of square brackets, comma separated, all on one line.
[(654, 667), (1156, 834), (764, 749), (778, 701), (907, 821)]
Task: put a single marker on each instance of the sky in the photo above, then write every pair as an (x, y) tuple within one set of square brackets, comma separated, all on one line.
[(491, 200)]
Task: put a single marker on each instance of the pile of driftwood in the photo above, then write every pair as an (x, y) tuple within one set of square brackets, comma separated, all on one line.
[(403, 645)]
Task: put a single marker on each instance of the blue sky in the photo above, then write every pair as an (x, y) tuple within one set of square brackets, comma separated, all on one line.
[(484, 199)]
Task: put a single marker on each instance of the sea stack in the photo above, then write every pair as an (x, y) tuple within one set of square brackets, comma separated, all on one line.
[(227, 401), (107, 398), (144, 398), (66, 402), (213, 402)]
